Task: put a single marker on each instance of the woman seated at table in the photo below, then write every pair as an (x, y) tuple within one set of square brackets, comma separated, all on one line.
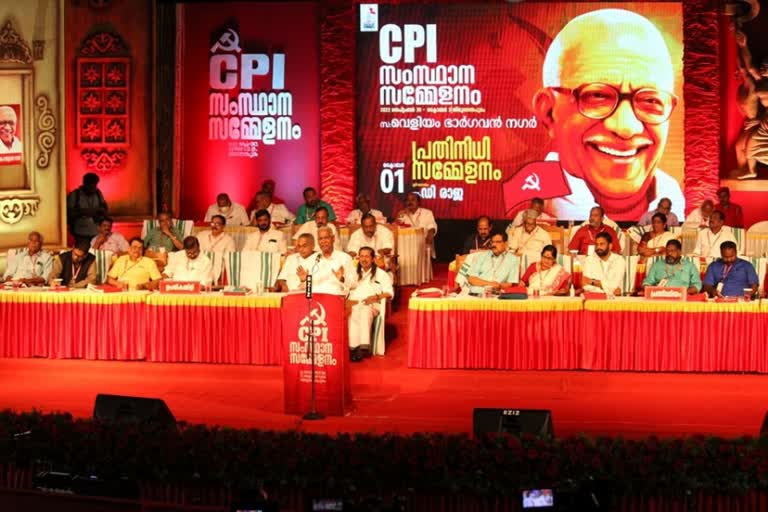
[(134, 271), (547, 275), (654, 242)]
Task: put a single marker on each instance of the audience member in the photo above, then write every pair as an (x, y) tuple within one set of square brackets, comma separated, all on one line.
[(320, 221), (75, 268), (189, 264), (279, 213), (537, 204), (108, 240), (730, 276), (134, 271), (733, 213), (370, 234), (530, 238), (604, 270), (234, 212), (654, 241), (85, 206), (584, 240), (363, 203), (312, 203), (673, 270), (492, 269), (31, 266), (547, 276), (163, 237), (370, 286), (665, 207), (709, 239), (215, 239), (699, 217), (267, 238), (480, 240)]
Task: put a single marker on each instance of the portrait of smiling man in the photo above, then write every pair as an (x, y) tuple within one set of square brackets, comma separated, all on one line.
[(606, 100)]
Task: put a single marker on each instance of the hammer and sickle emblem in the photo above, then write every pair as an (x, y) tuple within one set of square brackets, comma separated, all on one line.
[(229, 41), (532, 182)]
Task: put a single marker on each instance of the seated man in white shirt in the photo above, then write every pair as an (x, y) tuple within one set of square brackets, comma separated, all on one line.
[(189, 264), (320, 221), (279, 213), (108, 240), (537, 204), (293, 275), (31, 266), (370, 234), (267, 238), (709, 239), (604, 270), (336, 271), (363, 203), (215, 239), (699, 217), (530, 238), (416, 216), (234, 212), (370, 286)]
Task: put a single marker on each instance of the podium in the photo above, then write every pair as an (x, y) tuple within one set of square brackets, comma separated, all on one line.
[(325, 318)]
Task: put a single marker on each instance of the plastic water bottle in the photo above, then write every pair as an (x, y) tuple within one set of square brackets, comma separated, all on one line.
[(572, 291)]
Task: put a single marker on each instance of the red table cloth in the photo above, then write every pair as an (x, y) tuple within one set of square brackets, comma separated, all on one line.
[(74, 324), (214, 329), (638, 335), (535, 334)]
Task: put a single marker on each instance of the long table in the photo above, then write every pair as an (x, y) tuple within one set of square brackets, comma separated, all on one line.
[(207, 328), (627, 334)]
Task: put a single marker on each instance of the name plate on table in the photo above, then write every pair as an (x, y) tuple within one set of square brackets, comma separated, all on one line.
[(673, 293), (179, 287)]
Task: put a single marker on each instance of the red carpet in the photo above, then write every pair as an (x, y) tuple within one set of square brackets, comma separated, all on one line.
[(389, 397)]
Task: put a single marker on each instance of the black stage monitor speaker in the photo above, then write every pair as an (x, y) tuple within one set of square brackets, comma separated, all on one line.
[(133, 409), (513, 421)]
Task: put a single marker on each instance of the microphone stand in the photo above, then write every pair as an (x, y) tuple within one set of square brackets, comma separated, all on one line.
[(312, 414)]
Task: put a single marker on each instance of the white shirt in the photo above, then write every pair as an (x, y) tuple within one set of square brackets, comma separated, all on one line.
[(181, 268), (708, 243), (24, 266), (291, 265), (356, 216), (610, 273), (382, 239), (579, 202), (277, 213), (695, 219), (364, 287), (324, 280), (218, 244), (271, 240), (529, 244), (311, 228), (115, 243), (421, 218), (16, 147), (236, 216)]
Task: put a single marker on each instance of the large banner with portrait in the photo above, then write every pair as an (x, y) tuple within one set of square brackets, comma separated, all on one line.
[(480, 108), (247, 101)]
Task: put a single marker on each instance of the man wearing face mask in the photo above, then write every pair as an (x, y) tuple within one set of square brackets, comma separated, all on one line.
[(674, 271), (606, 100), (234, 212), (267, 239)]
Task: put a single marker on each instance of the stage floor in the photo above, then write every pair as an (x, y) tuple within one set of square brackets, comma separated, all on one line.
[(389, 397)]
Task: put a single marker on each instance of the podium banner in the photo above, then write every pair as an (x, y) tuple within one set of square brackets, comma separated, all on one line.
[(325, 317)]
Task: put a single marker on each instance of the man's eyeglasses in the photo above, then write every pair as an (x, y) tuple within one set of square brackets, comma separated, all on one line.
[(599, 101)]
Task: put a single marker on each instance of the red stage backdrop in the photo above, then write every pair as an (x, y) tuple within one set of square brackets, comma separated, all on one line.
[(445, 107), (247, 101)]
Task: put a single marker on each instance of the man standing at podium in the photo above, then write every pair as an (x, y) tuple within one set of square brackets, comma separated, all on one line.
[(335, 272)]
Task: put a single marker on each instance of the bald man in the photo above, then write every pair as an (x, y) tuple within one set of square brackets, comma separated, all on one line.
[(606, 100), (9, 142)]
